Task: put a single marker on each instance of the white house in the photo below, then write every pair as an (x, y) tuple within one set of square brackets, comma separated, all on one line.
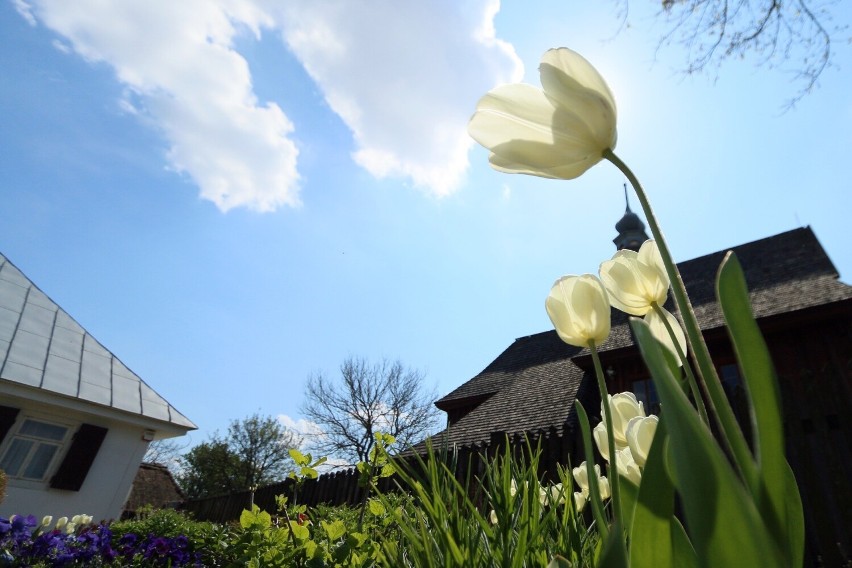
[(74, 421)]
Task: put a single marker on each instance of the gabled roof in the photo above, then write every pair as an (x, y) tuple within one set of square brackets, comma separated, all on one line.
[(153, 486), (533, 383), (41, 346)]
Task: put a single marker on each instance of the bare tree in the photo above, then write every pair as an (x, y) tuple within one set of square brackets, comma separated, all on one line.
[(793, 35), (166, 453), (368, 398)]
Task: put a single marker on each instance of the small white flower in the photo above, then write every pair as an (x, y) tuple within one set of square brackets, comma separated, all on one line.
[(603, 486), (581, 476), (556, 495), (579, 501), (46, 520)]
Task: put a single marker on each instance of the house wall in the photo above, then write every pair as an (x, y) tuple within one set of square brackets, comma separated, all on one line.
[(109, 480)]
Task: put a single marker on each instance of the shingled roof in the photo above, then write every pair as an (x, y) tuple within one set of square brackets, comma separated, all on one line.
[(153, 486), (532, 385), (42, 347)]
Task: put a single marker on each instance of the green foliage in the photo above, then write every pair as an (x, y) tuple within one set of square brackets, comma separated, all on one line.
[(657, 537), (305, 469), (211, 539), (377, 466), (256, 451), (776, 497), (451, 523), (209, 469)]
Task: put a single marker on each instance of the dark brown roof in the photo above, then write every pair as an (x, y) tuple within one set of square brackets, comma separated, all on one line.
[(154, 486), (533, 383)]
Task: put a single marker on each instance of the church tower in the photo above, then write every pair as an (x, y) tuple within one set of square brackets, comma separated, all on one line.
[(631, 229)]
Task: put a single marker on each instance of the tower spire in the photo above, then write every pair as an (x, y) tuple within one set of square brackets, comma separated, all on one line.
[(631, 229)]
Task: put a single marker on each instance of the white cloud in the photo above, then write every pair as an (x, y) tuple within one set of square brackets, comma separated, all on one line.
[(309, 431), (404, 76), (25, 11), (178, 63), (301, 426)]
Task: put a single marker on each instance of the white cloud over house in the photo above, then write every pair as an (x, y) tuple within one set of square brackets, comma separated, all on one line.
[(402, 76)]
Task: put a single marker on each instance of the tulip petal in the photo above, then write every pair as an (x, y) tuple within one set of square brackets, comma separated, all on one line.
[(636, 281), (559, 132), (640, 435), (623, 407), (599, 435), (649, 254), (576, 67), (579, 310), (507, 164), (577, 87), (627, 467), (661, 334), (511, 112)]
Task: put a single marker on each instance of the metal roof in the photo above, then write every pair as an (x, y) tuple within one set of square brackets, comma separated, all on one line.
[(41, 346)]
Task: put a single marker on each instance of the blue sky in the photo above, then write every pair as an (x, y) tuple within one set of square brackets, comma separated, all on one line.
[(232, 195)]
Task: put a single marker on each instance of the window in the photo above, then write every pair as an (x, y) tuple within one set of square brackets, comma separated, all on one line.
[(33, 449), (646, 393)]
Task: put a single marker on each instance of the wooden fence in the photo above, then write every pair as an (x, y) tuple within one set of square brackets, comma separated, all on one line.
[(341, 487)]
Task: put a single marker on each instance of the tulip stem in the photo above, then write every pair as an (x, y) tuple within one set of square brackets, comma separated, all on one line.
[(731, 434), (610, 437), (687, 368)]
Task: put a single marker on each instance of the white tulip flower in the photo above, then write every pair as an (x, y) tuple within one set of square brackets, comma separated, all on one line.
[(640, 435), (556, 132), (579, 310), (627, 466)]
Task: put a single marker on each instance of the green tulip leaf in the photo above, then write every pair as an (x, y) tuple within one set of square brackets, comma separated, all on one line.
[(683, 554), (657, 539), (755, 363), (725, 526), (614, 553), (629, 496)]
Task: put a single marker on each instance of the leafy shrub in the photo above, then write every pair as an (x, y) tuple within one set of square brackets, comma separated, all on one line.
[(207, 543)]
